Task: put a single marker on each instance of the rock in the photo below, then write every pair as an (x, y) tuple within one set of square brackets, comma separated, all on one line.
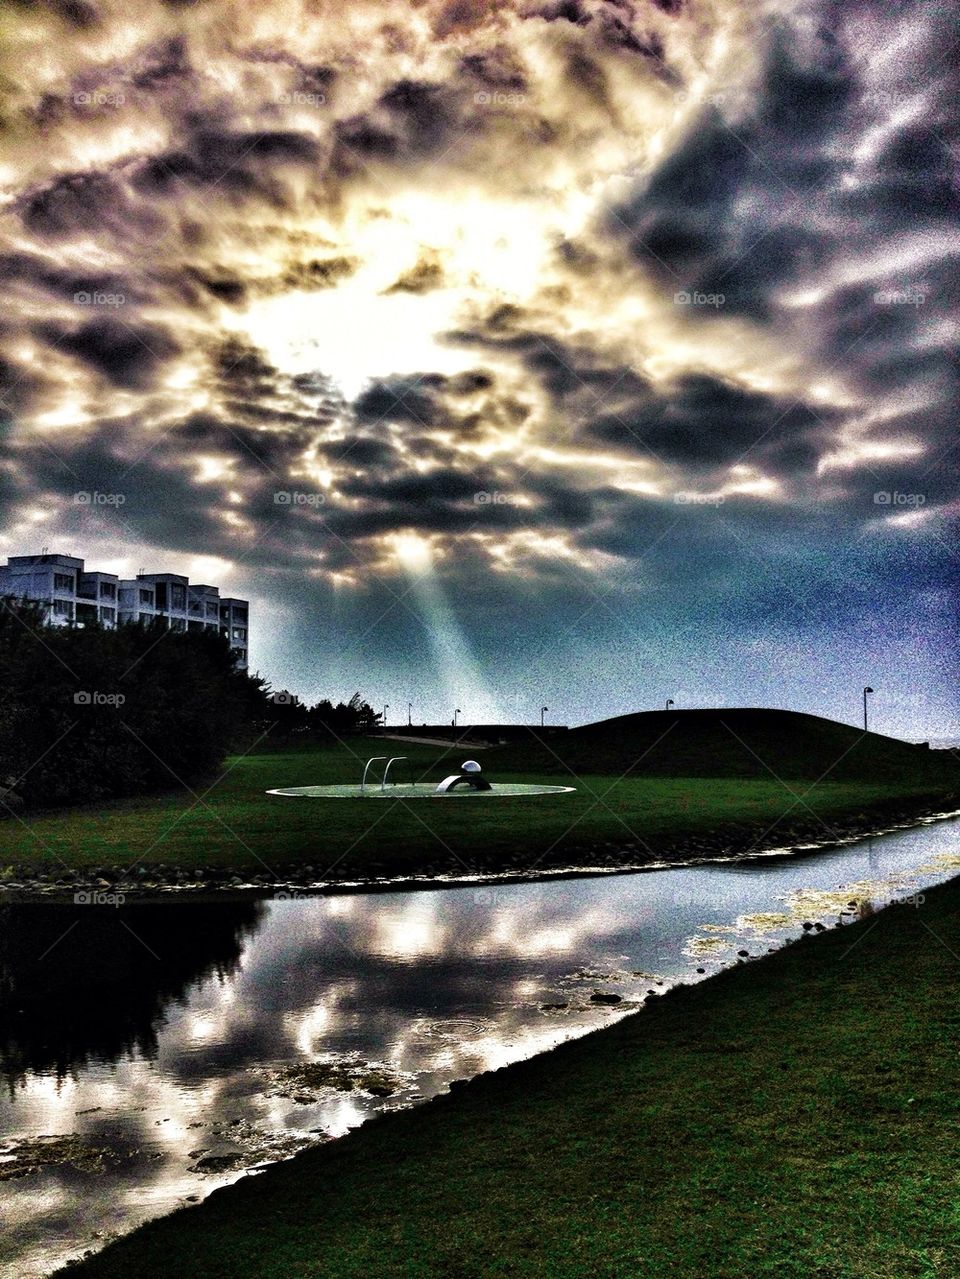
[(744, 954), (605, 997), (701, 970), (216, 1163), (807, 925)]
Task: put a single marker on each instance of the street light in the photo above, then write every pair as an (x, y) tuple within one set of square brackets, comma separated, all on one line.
[(409, 714), (865, 692), (386, 707), (543, 711), (455, 714), (670, 703)]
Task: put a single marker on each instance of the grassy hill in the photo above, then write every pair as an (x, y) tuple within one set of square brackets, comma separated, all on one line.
[(647, 787), (746, 742)]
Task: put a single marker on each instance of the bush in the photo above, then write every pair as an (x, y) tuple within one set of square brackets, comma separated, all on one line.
[(90, 713)]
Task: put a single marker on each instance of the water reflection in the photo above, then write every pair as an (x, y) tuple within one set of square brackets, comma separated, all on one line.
[(80, 983), (159, 1038)]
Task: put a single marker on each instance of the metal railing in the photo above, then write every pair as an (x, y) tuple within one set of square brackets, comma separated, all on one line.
[(377, 759)]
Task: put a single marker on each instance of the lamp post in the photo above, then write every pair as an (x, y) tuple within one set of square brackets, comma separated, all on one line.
[(455, 714), (543, 711), (386, 707), (670, 703), (409, 714), (865, 692)]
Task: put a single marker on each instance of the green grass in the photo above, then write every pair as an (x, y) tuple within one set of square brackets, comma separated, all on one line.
[(790, 1118), (235, 824)]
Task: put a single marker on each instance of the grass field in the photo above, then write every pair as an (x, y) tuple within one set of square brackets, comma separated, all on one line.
[(790, 1118), (236, 825), (644, 790)]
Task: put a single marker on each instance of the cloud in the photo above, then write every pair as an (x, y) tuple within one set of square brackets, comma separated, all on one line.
[(427, 274), (401, 257)]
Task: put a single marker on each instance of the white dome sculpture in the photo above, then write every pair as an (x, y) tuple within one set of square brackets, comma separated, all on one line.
[(470, 766)]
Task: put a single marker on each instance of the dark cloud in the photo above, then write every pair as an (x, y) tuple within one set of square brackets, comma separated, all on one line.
[(572, 11), (310, 276), (235, 164), (496, 68), (686, 224), (128, 354), (163, 66), (85, 203), (44, 274), (79, 13), (426, 275), (397, 400), (700, 421)]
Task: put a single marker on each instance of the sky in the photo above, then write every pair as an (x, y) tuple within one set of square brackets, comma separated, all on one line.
[(503, 353)]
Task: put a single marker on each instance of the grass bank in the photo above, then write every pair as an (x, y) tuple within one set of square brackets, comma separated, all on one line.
[(646, 791), (793, 1117)]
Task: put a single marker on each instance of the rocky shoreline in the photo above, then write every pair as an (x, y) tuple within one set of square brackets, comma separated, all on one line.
[(112, 884)]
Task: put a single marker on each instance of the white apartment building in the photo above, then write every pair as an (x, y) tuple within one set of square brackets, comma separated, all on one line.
[(70, 593)]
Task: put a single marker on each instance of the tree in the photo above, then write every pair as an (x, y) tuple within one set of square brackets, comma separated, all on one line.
[(90, 712)]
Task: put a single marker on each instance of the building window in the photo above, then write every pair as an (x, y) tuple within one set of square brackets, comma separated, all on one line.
[(62, 608), (178, 597), (239, 633), (108, 591), (62, 582), (146, 597)]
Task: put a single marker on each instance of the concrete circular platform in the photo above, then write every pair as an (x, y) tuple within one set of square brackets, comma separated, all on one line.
[(419, 790)]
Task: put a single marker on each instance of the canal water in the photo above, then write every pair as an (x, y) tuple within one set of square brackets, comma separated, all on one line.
[(153, 1051)]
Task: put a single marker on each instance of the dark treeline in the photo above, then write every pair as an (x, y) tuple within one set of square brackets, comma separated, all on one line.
[(324, 721), (87, 713)]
